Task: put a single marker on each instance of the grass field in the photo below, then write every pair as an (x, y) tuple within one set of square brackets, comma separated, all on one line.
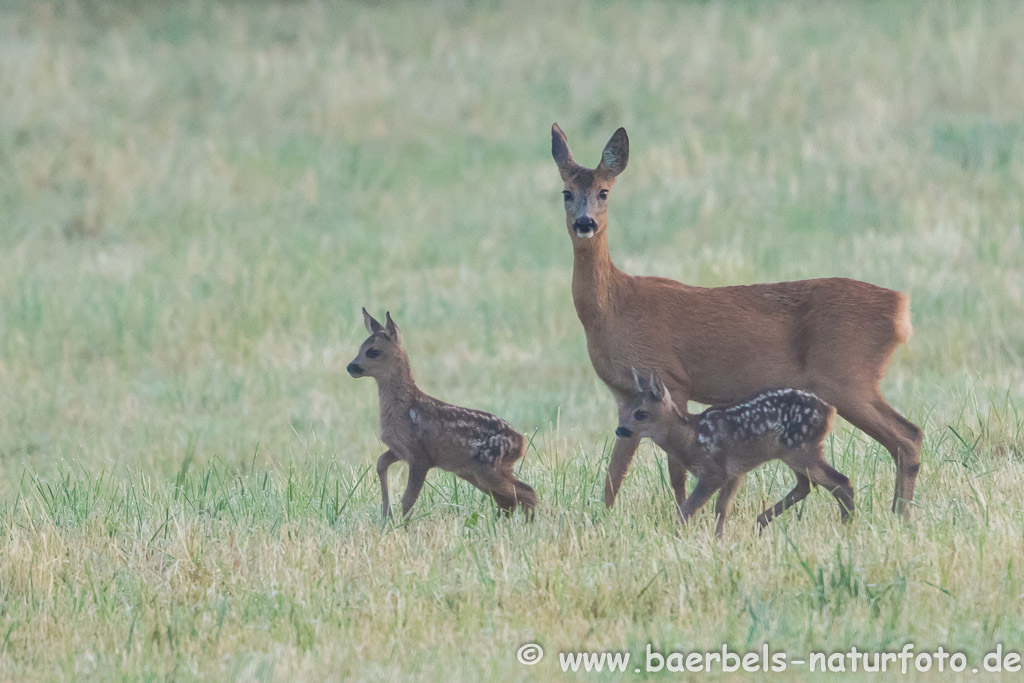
[(196, 199)]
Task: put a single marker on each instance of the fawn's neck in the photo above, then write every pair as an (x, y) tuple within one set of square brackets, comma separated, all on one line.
[(594, 277), (397, 390), (680, 435)]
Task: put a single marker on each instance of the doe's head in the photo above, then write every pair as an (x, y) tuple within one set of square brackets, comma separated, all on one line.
[(586, 189), (648, 411), (377, 355)]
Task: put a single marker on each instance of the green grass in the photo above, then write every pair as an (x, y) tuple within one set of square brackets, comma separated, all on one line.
[(197, 198)]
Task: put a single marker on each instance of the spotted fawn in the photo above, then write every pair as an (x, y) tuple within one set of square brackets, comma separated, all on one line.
[(426, 432), (725, 442)]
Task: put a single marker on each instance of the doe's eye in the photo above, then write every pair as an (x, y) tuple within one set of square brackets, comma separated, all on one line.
[(640, 415), (567, 195), (603, 194), (372, 353)]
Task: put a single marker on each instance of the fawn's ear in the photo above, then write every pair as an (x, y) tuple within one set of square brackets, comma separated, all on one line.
[(372, 326), (391, 329), (616, 154), (657, 387), (639, 382), (560, 151)]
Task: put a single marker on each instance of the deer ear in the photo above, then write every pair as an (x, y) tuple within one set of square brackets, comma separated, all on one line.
[(560, 150), (657, 386), (639, 382), (372, 326), (391, 328), (615, 154)]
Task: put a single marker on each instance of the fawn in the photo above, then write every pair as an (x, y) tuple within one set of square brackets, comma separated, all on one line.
[(725, 442), (832, 336), (426, 432)]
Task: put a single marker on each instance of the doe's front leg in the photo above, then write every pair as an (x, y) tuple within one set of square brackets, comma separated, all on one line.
[(622, 456)]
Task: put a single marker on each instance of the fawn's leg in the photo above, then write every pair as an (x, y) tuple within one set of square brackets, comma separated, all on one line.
[(386, 460), (724, 503), (494, 482), (799, 492), (706, 486), (677, 477), (506, 503), (527, 497), (497, 482), (417, 475), (838, 485)]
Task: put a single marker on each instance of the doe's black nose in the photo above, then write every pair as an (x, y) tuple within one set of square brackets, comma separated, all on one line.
[(623, 432), (584, 224), (354, 369)]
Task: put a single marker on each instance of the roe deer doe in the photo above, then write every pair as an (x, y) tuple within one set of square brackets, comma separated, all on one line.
[(831, 336), (426, 432), (725, 442)]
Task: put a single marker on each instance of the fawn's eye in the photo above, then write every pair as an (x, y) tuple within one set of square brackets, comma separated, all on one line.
[(372, 353), (640, 415), (567, 195), (603, 194)]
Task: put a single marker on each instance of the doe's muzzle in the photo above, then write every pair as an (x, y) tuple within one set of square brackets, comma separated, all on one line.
[(623, 433), (584, 226), (354, 369)]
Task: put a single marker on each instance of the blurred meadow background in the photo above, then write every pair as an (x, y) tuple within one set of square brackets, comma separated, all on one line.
[(197, 197)]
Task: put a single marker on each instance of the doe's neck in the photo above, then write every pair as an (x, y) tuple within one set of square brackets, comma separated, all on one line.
[(595, 279)]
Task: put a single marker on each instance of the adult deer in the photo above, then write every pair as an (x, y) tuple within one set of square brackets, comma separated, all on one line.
[(831, 336)]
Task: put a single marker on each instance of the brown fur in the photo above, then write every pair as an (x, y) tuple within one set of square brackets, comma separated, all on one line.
[(725, 442), (832, 336), (427, 433)]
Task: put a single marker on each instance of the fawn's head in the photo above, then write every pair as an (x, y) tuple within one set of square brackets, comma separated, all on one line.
[(381, 352), (650, 410), (586, 189)]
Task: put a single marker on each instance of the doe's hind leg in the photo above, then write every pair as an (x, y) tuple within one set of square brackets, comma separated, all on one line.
[(901, 437)]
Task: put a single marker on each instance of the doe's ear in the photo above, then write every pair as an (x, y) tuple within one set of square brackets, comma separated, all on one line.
[(560, 150), (616, 154), (391, 328), (372, 326)]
